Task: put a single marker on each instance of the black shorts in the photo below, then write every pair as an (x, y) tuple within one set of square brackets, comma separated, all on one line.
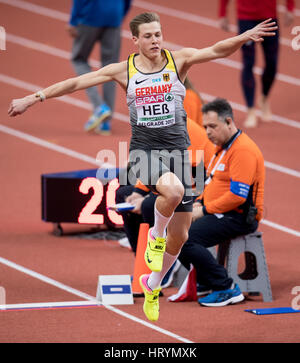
[(149, 165)]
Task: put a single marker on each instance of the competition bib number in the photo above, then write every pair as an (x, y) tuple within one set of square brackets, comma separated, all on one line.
[(156, 110)]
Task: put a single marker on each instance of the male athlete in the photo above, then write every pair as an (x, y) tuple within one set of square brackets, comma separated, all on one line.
[(153, 82)]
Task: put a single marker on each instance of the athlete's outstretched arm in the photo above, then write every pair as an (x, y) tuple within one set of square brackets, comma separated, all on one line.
[(112, 72), (228, 46)]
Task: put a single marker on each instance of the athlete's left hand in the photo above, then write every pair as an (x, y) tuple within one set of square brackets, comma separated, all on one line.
[(264, 29), (20, 105)]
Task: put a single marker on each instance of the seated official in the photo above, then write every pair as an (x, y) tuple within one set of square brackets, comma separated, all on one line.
[(230, 205)]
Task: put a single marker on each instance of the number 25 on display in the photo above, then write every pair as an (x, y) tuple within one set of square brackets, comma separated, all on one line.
[(86, 216), (296, 299), (296, 40)]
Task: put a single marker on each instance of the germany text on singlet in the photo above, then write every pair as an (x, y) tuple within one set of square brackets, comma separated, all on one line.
[(155, 102)]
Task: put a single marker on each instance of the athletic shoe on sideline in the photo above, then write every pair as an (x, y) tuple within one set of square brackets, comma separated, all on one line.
[(101, 113), (223, 297), (124, 242), (154, 253), (151, 303), (168, 278)]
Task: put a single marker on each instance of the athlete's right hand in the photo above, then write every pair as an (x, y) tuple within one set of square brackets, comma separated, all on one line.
[(18, 106)]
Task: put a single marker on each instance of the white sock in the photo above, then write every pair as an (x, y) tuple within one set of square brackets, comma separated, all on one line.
[(160, 224), (156, 278)]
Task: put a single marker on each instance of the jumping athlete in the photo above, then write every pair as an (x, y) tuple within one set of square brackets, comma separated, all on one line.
[(153, 81)]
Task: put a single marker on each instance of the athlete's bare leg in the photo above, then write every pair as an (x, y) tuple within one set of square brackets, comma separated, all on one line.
[(170, 191), (178, 232), (177, 235)]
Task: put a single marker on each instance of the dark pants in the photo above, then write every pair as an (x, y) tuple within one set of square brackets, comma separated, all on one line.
[(110, 41), (131, 220), (270, 47), (206, 232)]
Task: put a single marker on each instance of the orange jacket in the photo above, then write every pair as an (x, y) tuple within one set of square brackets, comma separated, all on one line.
[(193, 106), (199, 141), (240, 170)]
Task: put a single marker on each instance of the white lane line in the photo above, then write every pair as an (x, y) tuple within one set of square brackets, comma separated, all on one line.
[(147, 324), (282, 169), (88, 159), (58, 15), (48, 280), (281, 9), (44, 48), (38, 9), (49, 305), (280, 227), (48, 145), (38, 46), (93, 299)]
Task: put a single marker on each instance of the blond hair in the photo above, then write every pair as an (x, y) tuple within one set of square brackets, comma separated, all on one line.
[(142, 19)]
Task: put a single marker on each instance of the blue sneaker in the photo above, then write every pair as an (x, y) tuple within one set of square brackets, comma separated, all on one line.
[(223, 297), (100, 114), (103, 128)]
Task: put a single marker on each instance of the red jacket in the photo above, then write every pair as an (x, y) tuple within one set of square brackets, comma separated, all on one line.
[(254, 9)]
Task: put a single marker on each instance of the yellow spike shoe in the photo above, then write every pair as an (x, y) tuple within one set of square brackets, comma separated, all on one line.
[(151, 303), (154, 253)]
